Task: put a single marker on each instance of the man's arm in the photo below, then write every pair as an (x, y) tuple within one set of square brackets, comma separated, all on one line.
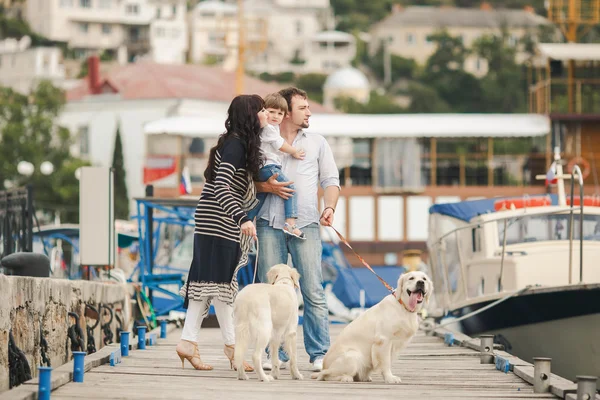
[(330, 197), (329, 177), (275, 187)]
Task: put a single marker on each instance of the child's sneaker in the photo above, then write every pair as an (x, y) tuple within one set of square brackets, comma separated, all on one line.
[(294, 231)]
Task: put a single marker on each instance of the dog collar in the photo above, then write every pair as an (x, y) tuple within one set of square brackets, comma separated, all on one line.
[(284, 279)]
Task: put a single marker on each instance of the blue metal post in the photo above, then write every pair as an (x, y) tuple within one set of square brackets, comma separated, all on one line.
[(141, 337), (78, 366), (163, 329), (125, 343), (44, 383)]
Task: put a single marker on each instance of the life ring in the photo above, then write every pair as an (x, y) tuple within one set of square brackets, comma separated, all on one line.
[(509, 204), (583, 164), (588, 201)]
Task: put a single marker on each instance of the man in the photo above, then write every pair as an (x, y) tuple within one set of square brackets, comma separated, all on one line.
[(317, 168)]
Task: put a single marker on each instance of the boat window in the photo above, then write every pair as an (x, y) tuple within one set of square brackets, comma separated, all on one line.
[(476, 239), (535, 228)]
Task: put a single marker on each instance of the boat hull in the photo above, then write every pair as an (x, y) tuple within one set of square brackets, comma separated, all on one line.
[(561, 324)]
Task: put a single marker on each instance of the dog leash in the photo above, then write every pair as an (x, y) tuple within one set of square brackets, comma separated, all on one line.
[(362, 260), (255, 261)]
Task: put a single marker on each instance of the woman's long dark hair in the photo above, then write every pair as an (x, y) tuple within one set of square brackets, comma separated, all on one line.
[(242, 121)]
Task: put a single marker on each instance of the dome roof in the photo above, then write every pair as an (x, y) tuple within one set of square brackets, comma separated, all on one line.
[(347, 78)]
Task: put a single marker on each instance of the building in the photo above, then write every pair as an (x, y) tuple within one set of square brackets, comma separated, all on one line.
[(405, 31), (346, 82), (567, 90), (132, 95), (280, 36), (394, 167), (22, 67), (154, 29)]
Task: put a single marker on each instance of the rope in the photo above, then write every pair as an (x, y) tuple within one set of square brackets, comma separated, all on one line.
[(255, 262), (482, 309), (18, 367)]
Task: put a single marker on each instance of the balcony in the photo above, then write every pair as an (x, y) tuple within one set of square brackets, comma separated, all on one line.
[(557, 96)]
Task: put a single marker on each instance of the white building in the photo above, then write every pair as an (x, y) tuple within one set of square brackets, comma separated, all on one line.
[(280, 35), (346, 82), (123, 29), (23, 67), (134, 94)]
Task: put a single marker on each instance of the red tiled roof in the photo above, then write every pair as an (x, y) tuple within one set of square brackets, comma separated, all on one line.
[(159, 81)]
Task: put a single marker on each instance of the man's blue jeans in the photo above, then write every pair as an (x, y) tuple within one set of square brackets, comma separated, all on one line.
[(306, 258), (290, 205)]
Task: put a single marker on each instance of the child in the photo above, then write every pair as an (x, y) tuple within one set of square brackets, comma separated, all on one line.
[(271, 143)]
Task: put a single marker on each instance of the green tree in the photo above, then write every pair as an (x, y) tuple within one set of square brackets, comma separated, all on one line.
[(377, 104), (400, 67), (118, 164), (425, 99), (313, 85), (28, 132)]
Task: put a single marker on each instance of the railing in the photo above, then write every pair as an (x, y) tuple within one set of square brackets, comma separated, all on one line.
[(16, 221), (552, 96), (440, 250)]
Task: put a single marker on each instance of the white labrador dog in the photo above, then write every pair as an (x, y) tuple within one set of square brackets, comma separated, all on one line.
[(267, 313), (370, 342)]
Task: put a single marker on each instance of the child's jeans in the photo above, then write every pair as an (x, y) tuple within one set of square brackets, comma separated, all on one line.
[(290, 205)]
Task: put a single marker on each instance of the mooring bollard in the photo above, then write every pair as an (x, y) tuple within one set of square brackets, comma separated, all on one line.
[(78, 366), (163, 329), (486, 349), (44, 383), (141, 337), (586, 387), (125, 343), (541, 374)]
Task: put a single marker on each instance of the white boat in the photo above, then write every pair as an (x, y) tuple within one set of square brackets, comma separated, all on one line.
[(525, 269)]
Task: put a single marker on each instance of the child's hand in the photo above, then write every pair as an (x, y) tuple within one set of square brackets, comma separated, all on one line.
[(299, 154)]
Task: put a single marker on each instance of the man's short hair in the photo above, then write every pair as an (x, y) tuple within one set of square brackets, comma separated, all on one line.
[(290, 92), (276, 102)]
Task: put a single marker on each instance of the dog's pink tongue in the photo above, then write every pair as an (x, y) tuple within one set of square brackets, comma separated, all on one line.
[(414, 299)]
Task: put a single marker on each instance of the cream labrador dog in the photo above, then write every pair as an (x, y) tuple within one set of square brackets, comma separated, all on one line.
[(267, 313), (370, 342)]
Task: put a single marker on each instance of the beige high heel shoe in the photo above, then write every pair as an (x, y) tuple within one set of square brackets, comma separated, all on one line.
[(187, 350), (229, 351)]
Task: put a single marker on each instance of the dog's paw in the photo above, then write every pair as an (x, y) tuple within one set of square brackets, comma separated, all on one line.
[(243, 377), (297, 376), (267, 378), (368, 379), (346, 379), (315, 375), (392, 379)]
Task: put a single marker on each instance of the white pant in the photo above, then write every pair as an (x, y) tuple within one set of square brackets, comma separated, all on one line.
[(193, 320)]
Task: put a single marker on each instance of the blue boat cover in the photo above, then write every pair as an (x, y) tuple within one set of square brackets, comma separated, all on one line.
[(350, 281), (466, 210)]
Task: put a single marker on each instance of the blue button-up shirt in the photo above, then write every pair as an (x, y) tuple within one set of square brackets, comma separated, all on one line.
[(317, 168)]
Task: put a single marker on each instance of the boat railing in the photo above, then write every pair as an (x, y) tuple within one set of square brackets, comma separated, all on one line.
[(439, 249)]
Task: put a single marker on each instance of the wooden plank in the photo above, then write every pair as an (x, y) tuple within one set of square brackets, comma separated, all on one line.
[(429, 369)]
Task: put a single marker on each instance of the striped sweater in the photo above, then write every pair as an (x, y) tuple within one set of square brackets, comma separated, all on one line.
[(219, 211)]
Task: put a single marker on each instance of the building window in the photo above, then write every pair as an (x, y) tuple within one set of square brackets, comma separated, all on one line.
[(160, 31), (85, 3), (66, 3), (106, 29), (411, 39), (174, 10), (299, 27), (83, 136), (158, 10), (104, 4), (132, 9), (83, 27), (175, 33)]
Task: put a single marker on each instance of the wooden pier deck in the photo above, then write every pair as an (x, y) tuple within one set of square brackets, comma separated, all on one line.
[(429, 370)]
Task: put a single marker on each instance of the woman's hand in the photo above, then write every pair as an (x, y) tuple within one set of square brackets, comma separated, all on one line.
[(249, 229)]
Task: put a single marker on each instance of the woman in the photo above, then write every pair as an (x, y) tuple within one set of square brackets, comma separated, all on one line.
[(223, 232)]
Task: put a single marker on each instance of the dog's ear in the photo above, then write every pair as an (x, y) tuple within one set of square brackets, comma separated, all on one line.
[(272, 274), (401, 282), (295, 277), (429, 290)]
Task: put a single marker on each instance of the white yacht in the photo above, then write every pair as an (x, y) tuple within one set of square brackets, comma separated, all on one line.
[(531, 266)]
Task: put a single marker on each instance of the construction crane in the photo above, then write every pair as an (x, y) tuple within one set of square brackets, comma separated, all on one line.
[(243, 47)]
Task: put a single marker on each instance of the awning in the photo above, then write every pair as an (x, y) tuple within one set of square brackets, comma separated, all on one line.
[(380, 125), (570, 51)]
